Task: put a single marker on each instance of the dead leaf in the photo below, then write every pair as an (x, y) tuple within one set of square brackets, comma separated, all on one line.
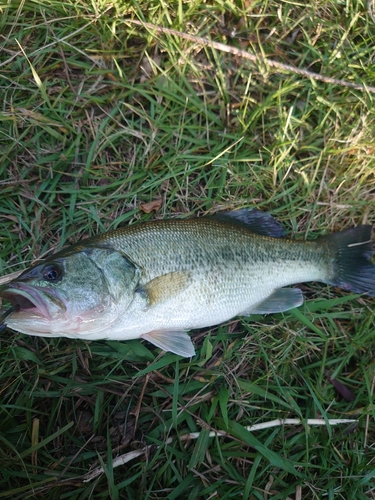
[(152, 205), (149, 67), (341, 388)]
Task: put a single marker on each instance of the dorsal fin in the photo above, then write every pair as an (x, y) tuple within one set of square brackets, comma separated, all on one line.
[(255, 220)]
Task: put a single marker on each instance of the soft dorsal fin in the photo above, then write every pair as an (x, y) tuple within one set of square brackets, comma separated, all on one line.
[(255, 220), (166, 286)]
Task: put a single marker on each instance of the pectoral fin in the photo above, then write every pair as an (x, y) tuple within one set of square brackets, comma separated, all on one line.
[(280, 300), (178, 342), (166, 286)]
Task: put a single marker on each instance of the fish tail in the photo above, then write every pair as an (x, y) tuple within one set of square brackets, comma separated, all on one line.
[(352, 251)]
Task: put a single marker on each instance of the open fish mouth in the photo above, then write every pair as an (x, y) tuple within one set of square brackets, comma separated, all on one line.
[(43, 301)]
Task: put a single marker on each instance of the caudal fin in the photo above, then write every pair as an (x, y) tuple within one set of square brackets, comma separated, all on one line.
[(352, 250)]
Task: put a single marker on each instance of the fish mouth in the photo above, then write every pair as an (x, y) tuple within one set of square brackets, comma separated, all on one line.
[(43, 301)]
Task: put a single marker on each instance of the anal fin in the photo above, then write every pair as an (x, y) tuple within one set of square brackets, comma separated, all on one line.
[(178, 342), (282, 299)]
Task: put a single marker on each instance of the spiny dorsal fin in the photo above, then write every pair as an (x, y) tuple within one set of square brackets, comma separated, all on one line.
[(166, 286), (255, 220)]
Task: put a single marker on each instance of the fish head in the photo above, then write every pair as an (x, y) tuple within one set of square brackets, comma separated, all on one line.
[(72, 292)]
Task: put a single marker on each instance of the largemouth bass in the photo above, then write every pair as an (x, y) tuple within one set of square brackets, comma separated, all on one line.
[(157, 280)]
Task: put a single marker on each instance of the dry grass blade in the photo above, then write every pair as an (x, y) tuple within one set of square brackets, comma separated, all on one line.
[(205, 42), (9, 277), (127, 457)]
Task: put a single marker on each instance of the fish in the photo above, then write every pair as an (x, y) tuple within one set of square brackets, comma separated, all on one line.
[(158, 280)]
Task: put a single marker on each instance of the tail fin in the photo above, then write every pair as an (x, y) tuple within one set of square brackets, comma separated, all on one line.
[(352, 250)]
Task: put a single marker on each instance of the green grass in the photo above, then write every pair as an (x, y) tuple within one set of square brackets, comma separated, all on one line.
[(98, 117)]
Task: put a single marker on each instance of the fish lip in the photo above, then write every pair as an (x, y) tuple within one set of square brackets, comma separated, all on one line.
[(30, 297)]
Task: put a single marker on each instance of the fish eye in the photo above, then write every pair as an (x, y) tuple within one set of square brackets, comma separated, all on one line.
[(52, 273)]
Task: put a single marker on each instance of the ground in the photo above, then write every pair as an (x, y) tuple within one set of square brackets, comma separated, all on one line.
[(104, 123)]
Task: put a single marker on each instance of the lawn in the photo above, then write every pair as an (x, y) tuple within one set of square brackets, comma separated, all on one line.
[(118, 112)]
